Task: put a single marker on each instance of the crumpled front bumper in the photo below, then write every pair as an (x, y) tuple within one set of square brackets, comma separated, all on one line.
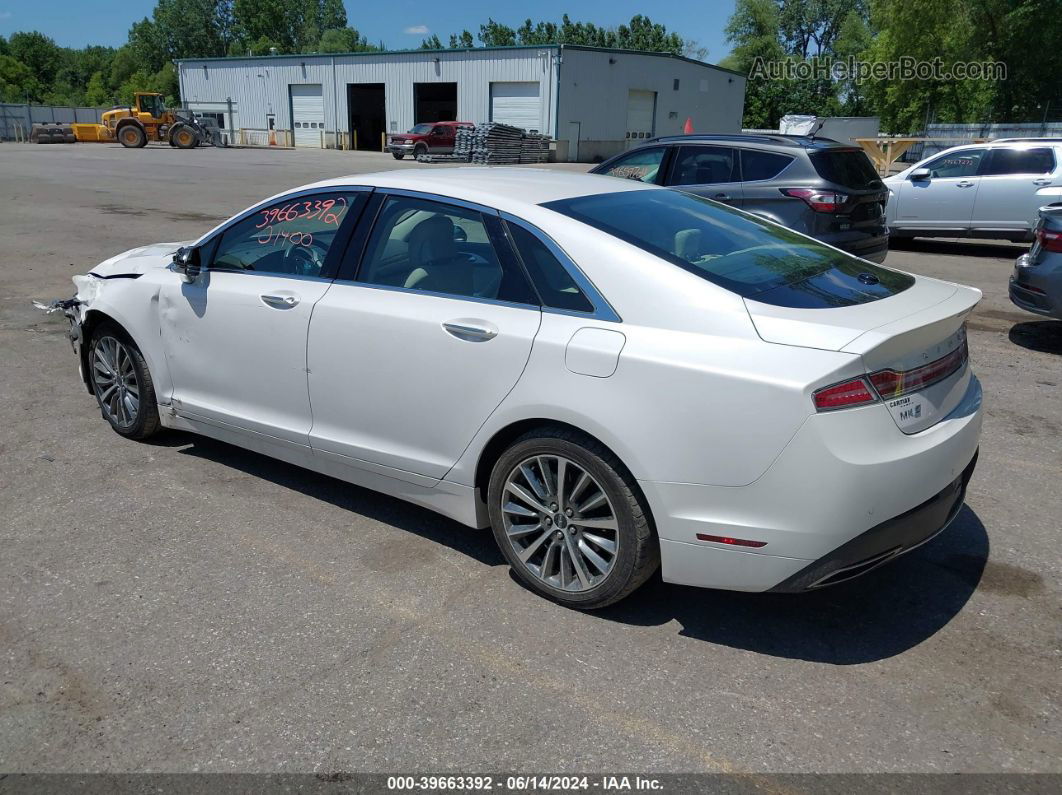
[(71, 309)]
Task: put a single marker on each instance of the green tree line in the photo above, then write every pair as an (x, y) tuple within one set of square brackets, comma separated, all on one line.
[(641, 33), (1024, 35), (33, 68)]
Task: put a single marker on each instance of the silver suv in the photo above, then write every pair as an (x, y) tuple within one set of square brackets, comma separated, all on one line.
[(817, 186), (989, 190)]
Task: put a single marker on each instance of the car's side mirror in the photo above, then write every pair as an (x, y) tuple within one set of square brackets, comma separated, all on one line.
[(460, 235), (920, 173), (186, 262)]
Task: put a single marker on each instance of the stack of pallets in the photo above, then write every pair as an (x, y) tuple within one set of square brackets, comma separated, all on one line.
[(497, 144), (494, 144)]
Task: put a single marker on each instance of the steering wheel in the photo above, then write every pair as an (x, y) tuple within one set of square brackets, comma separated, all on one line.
[(302, 261)]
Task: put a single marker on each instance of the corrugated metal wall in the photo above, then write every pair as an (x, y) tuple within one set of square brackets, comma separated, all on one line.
[(594, 87), (260, 85), (12, 115)]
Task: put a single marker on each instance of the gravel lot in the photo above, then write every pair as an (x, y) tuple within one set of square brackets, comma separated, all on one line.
[(188, 606)]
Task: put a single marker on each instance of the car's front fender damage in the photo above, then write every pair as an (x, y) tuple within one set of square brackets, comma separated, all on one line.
[(75, 309)]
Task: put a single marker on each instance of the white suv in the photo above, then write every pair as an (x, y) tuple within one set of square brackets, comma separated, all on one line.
[(989, 190)]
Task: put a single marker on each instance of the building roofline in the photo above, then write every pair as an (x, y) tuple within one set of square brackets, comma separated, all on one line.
[(418, 51)]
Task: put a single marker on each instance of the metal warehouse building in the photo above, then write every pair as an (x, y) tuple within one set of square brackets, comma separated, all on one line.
[(594, 102)]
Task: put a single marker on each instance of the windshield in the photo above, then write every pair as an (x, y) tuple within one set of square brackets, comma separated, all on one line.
[(740, 252), (420, 129)]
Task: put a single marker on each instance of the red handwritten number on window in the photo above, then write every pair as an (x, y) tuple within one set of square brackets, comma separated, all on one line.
[(329, 211)]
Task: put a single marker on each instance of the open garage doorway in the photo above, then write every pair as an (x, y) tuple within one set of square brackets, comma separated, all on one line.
[(434, 102), (368, 115)]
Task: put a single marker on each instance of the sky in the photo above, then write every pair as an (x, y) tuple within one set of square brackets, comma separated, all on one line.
[(401, 24)]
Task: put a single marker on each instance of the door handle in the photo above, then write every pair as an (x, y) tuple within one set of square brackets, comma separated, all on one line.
[(279, 301), (1042, 181), (964, 184), (470, 331), (722, 196)]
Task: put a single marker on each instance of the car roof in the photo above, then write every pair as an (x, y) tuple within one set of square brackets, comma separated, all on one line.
[(778, 139), (504, 188)]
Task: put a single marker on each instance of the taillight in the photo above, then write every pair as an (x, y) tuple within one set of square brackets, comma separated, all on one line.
[(1049, 241), (892, 383), (817, 200), (843, 395)]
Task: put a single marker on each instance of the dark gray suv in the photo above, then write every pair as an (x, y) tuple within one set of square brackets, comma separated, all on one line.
[(816, 186)]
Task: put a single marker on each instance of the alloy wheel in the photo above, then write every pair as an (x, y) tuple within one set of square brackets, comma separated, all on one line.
[(115, 382), (560, 522)]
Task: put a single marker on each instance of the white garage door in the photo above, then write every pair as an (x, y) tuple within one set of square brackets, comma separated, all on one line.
[(641, 108), (517, 104), (307, 114)]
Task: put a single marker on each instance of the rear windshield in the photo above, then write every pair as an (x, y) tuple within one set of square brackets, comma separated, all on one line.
[(746, 255), (848, 167)]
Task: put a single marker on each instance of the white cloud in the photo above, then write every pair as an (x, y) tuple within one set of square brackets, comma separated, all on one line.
[(6, 15), (417, 30)]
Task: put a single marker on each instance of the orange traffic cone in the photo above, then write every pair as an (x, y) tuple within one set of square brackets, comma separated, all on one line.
[(687, 128), (273, 137)]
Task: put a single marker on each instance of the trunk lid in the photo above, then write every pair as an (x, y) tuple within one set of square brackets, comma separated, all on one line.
[(904, 333)]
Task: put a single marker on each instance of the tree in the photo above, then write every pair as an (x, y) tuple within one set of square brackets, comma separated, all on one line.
[(344, 40), (495, 34), (97, 92), (42, 56), (461, 40), (17, 82), (431, 43)]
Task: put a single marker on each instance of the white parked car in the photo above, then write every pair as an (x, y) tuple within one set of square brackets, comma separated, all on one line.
[(989, 190), (612, 376)]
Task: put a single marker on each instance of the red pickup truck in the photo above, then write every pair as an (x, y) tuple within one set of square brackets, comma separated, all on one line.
[(435, 138)]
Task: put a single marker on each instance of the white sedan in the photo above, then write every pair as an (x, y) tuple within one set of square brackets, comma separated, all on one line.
[(614, 377)]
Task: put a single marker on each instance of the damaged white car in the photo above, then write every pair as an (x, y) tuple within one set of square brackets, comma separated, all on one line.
[(612, 376)]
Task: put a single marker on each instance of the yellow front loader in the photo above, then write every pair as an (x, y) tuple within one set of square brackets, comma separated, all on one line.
[(148, 120)]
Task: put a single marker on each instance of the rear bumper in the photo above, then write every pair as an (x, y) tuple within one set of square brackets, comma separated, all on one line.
[(884, 542), (873, 247), (1037, 288), (843, 476)]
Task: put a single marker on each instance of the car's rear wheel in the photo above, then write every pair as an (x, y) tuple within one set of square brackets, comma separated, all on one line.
[(122, 384), (570, 520)]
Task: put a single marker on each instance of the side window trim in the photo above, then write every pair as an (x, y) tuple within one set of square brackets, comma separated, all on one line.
[(602, 308), (350, 269)]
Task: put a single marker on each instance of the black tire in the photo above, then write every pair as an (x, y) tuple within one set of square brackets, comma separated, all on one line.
[(146, 422), (419, 151), (398, 155), (638, 554), (132, 136), (183, 137)]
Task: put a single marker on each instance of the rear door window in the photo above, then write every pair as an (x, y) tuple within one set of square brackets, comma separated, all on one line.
[(420, 244), (757, 165), (848, 167), (1019, 161), (642, 165), (704, 165)]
